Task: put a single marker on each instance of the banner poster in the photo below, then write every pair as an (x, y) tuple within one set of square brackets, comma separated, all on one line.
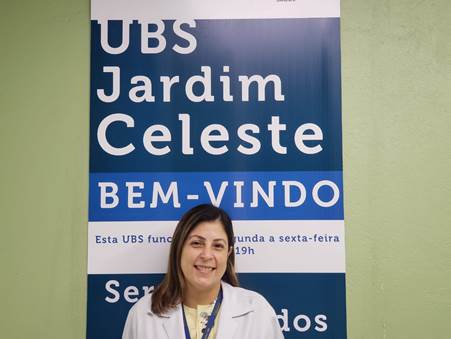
[(235, 103)]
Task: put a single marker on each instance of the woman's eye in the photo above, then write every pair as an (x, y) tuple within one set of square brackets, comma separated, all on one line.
[(196, 243), (219, 246)]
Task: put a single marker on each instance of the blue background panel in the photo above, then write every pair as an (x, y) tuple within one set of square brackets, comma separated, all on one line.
[(304, 53)]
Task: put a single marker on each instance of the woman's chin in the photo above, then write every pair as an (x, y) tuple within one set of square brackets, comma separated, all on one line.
[(205, 284)]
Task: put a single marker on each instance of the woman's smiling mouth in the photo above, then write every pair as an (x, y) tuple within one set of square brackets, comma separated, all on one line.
[(203, 268)]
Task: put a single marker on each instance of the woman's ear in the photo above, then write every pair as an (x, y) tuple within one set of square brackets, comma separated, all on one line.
[(230, 251)]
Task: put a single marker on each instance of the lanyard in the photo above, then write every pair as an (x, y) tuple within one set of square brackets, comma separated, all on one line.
[(211, 318)]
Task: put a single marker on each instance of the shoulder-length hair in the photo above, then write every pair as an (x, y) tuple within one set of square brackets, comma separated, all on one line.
[(169, 292)]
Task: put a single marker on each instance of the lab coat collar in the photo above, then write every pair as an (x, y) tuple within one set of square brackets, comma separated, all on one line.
[(172, 322), (233, 307)]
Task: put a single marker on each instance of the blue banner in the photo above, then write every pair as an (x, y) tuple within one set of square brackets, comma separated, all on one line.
[(222, 103)]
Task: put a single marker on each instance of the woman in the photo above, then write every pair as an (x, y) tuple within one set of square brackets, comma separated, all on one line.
[(199, 297)]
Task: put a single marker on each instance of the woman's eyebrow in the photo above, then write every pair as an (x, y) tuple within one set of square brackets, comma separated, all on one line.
[(197, 236), (202, 238)]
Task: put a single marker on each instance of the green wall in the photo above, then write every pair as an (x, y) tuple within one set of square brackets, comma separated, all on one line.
[(396, 58)]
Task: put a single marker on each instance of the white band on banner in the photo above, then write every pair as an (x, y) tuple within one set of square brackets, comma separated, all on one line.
[(271, 246), (213, 9)]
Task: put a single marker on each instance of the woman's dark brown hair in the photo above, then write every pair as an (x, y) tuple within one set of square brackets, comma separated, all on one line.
[(169, 292)]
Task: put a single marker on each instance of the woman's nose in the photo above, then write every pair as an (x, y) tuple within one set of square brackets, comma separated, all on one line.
[(206, 252)]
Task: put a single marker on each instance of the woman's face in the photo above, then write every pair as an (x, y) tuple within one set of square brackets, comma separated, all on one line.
[(204, 256)]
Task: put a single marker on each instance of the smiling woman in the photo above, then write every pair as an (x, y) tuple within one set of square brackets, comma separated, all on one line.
[(199, 296)]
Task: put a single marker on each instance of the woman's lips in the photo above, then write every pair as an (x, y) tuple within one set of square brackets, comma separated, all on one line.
[(204, 269)]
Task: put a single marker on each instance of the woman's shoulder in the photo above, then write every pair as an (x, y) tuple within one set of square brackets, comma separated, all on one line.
[(243, 292), (251, 298), (143, 305), (261, 319), (142, 322)]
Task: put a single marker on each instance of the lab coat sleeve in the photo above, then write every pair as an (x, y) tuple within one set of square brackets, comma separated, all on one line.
[(131, 324), (269, 323), (274, 331)]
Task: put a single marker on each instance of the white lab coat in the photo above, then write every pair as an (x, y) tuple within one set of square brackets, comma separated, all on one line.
[(243, 314)]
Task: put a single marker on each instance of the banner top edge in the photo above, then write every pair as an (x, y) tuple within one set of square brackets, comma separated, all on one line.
[(213, 9)]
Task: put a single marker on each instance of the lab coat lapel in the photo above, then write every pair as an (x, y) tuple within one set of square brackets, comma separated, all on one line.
[(232, 311), (172, 323)]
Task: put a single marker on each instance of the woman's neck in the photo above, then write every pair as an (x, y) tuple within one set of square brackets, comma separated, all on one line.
[(194, 297)]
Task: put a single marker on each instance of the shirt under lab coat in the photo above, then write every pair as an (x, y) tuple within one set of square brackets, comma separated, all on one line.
[(244, 314)]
